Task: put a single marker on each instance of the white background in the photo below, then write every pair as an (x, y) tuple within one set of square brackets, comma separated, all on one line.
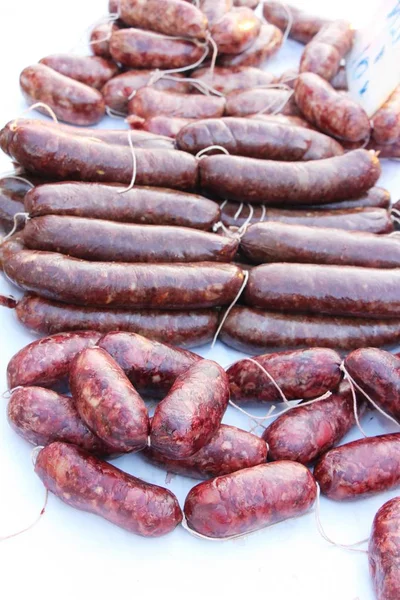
[(70, 553)]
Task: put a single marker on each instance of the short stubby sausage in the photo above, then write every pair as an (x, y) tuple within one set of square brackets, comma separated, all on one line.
[(214, 10), (386, 121), (299, 374), (267, 43), (250, 499), (94, 71), (151, 367), (333, 113), (72, 101), (325, 289), (102, 489), (236, 31), (162, 125), (100, 38), (191, 328), (306, 432), (145, 205), (257, 139), (123, 285), (323, 53), (170, 17), (42, 416), (235, 79), (136, 48), (95, 239), (377, 372), (360, 468), (190, 415), (231, 449), (149, 102), (280, 242), (261, 100), (281, 183), (47, 361), (254, 331), (384, 551), (303, 26)]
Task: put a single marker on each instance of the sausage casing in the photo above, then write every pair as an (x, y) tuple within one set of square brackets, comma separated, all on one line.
[(384, 551), (93, 71)]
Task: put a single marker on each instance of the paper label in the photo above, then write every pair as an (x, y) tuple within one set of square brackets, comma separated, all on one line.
[(373, 65)]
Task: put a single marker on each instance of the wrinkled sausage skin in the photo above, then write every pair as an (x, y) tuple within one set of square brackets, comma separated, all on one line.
[(149, 102), (304, 26), (384, 551), (90, 70), (233, 79), (267, 43), (236, 31), (323, 53)]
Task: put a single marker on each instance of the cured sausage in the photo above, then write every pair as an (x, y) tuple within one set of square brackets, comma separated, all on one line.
[(250, 499), (149, 102), (257, 139), (231, 449), (386, 121), (72, 101), (236, 31), (285, 119), (94, 71), (102, 489), (162, 125), (214, 10), (384, 551), (254, 331), (325, 289), (360, 468), (100, 38), (145, 205), (281, 183), (190, 415), (12, 193), (303, 26), (299, 374), (107, 402), (267, 43), (235, 79), (47, 361), (323, 53), (263, 100), (121, 285), (376, 197)]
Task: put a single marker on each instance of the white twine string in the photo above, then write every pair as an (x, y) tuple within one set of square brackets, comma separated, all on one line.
[(215, 147), (280, 106), (8, 393), (220, 326), (15, 226), (290, 21), (134, 167), (35, 453), (83, 40), (45, 107), (242, 230), (115, 114), (18, 178), (35, 522)]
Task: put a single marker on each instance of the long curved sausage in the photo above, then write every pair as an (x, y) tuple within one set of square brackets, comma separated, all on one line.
[(93, 71), (266, 44), (235, 79), (304, 26), (323, 53), (150, 102), (384, 551)]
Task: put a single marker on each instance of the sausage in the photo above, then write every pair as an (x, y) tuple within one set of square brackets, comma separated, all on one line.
[(332, 112), (117, 90), (42, 416), (254, 331), (180, 328), (306, 432), (257, 100), (100, 38), (249, 3), (72, 101), (299, 373), (378, 373), (151, 367), (257, 139), (266, 44), (102, 489), (191, 413), (375, 197), (323, 53), (94, 239), (280, 242), (12, 193), (152, 286), (47, 361), (303, 27), (285, 119), (149, 206), (170, 17), (360, 468), (231, 449), (107, 402), (149, 102), (384, 551), (214, 10), (140, 49), (325, 289), (12, 246), (62, 156), (227, 80), (279, 183), (386, 121), (94, 71), (162, 125), (250, 499), (236, 31), (339, 81)]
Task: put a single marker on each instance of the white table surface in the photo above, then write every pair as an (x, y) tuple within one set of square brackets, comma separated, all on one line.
[(71, 553)]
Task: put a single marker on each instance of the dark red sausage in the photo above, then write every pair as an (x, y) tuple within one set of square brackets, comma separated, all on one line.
[(162, 125), (94, 71), (360, 468), (261, 100), (149, 102), (303, 27), (180, 328), (236, 31), (190, 415), (145, 205), (106, 491), (323, 53), (231, 449), (99, 240), (282, 183), (384, 551), (150, 366), (47, 361), (306, 432), (257, 139), (227, 80), (300, 374), (386, 121), (250, 499), (255, 331), (266, 44), (72, 101)]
